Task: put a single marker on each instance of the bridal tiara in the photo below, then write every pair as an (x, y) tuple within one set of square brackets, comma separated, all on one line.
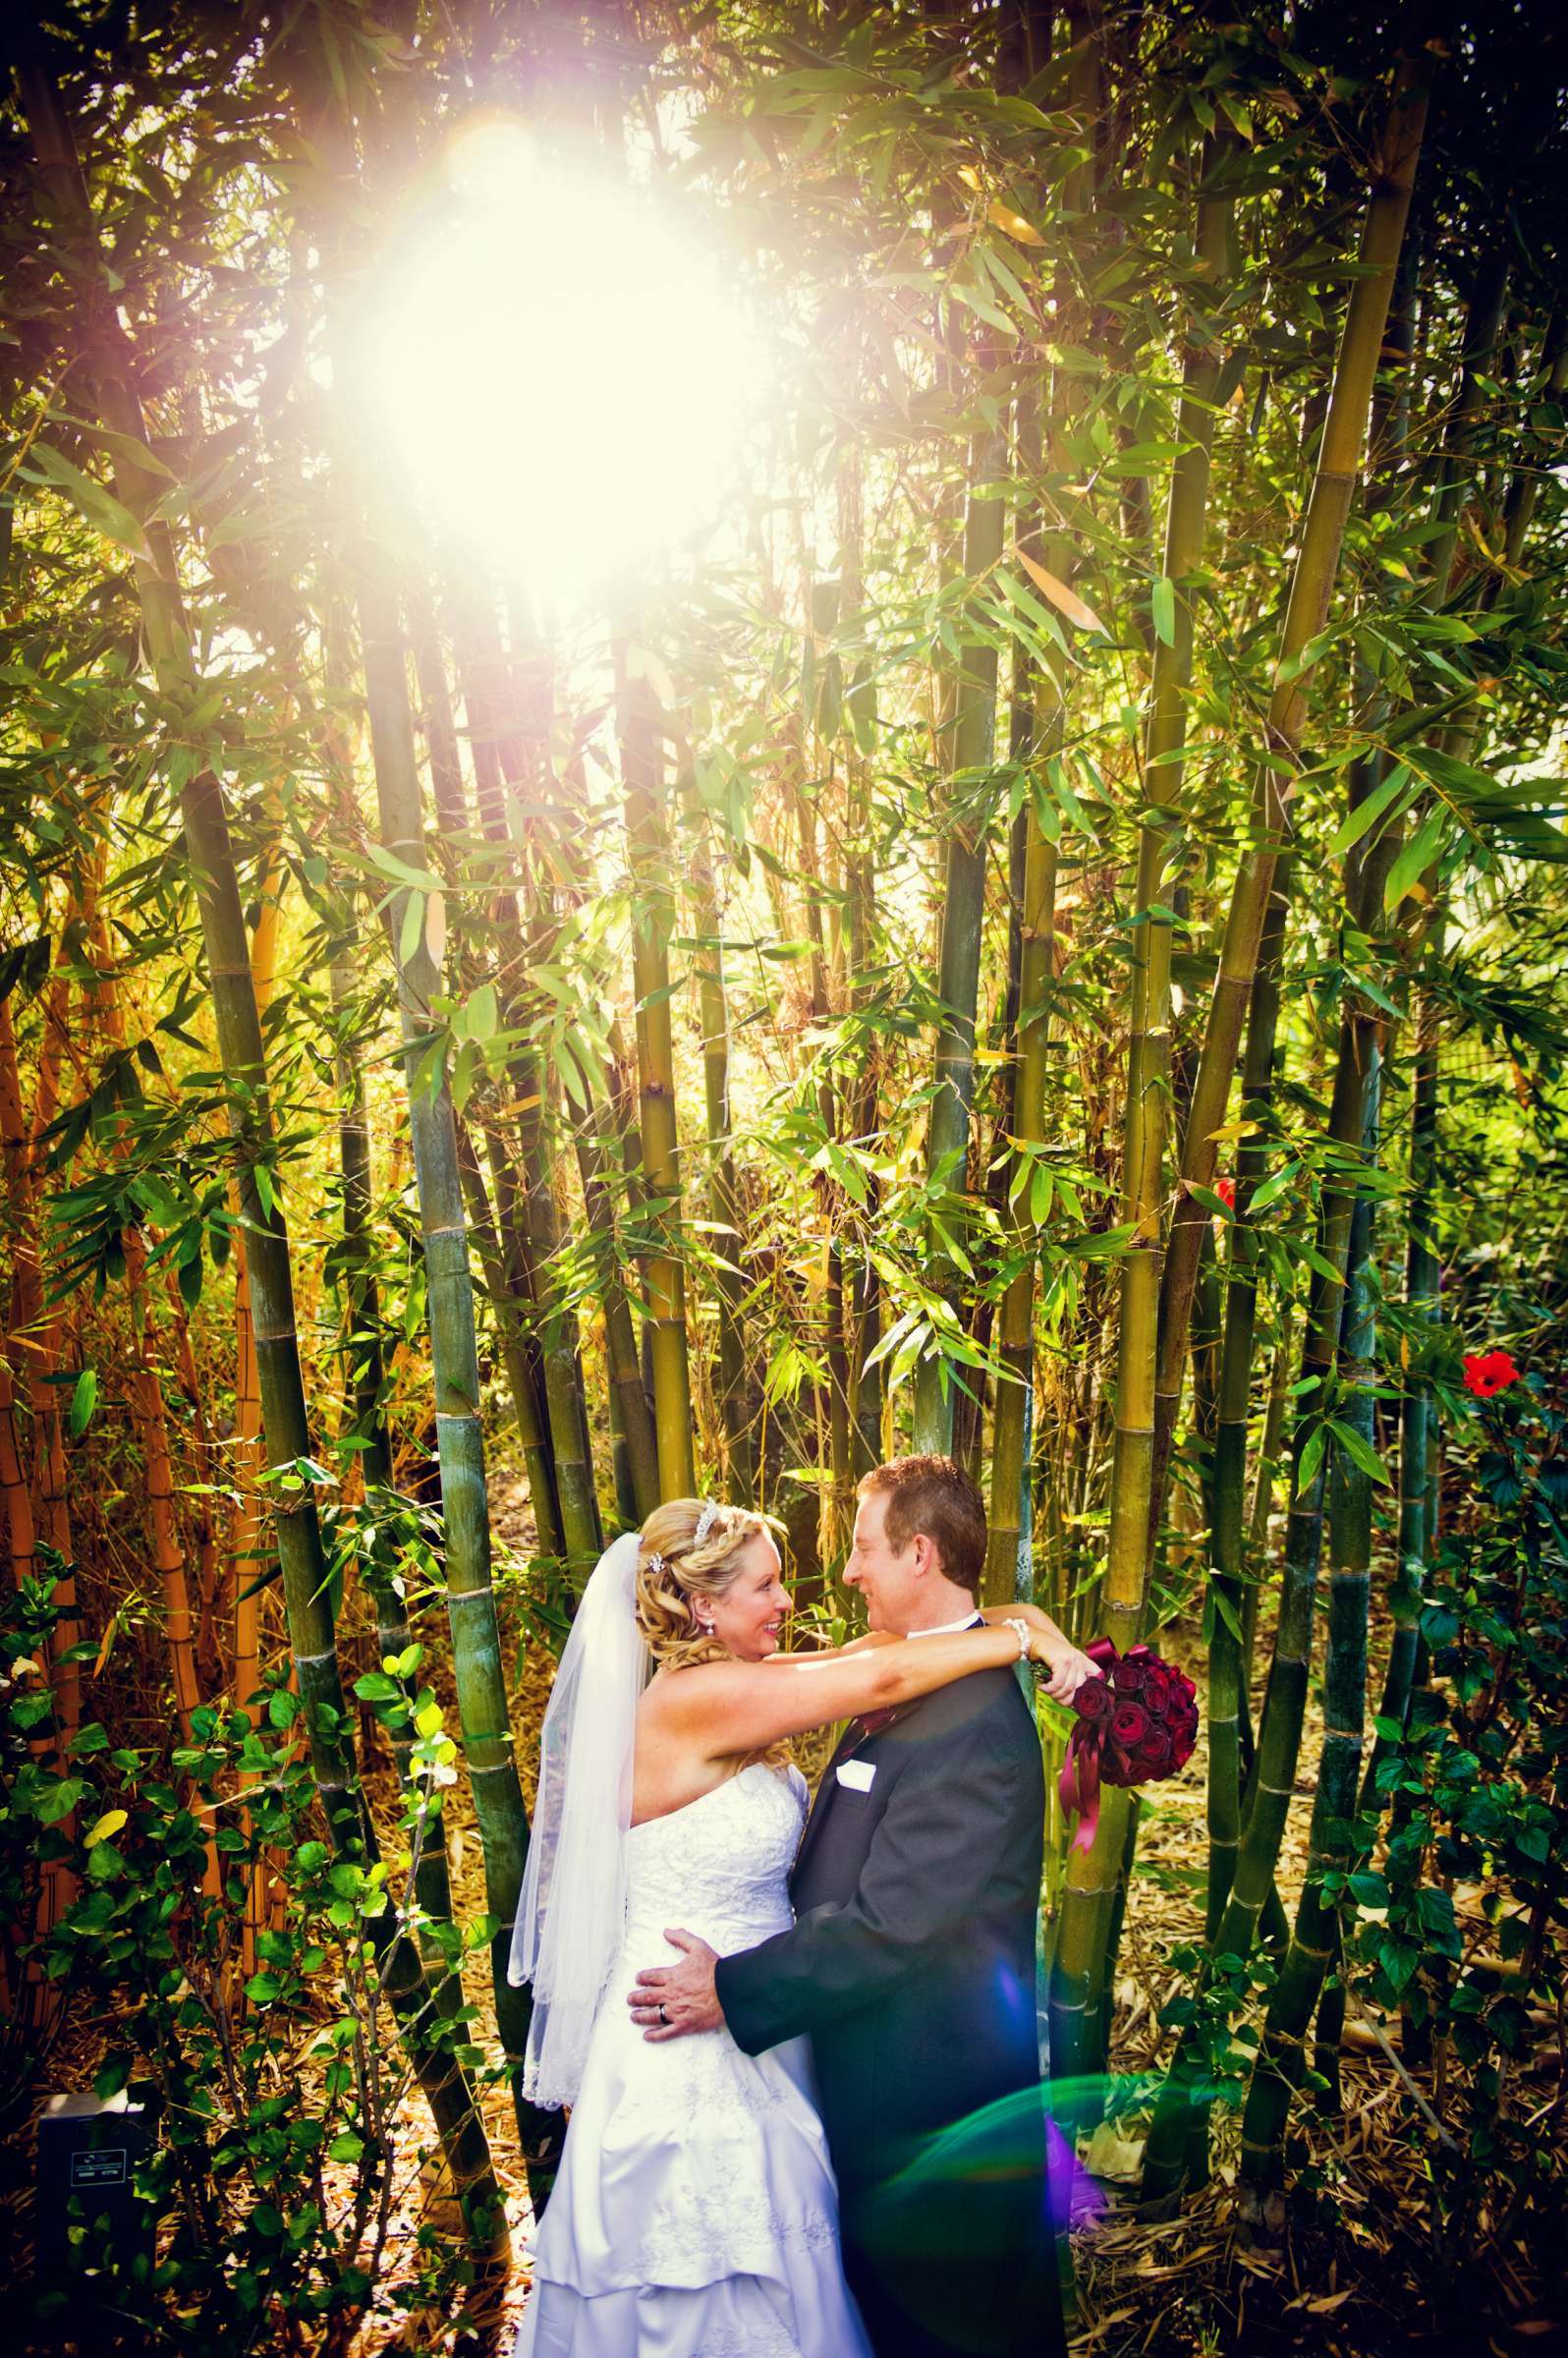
[(706, 1522)]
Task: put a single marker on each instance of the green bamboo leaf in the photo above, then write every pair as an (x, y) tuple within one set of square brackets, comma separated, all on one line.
[(1358, 1451), (979, 301), (1226, 1610), (482, 1014), (83, 1400), (92, 501), (393, 864), (412, 932), (1312, 1457), (1163, 605), (1369, 811), (1273, 1188), (1416, 858)]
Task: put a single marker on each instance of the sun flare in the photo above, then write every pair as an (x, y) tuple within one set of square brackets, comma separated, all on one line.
[(560, 369)]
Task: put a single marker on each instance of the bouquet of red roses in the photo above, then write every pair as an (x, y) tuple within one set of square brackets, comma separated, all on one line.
[(1137, 1722)]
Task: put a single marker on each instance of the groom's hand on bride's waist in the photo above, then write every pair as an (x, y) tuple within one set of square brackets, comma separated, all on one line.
[(666, 2001)]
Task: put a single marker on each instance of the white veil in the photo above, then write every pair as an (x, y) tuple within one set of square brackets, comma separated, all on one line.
[(571, 1911)]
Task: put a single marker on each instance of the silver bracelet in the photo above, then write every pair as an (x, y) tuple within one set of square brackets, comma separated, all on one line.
[(1020, 1628)]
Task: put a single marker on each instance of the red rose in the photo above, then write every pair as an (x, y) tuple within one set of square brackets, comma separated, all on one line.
[(1130, 1725), (1159, 1692), (1487, 1373), (1151, 1759), (1132, 1672), (1093, 1700)]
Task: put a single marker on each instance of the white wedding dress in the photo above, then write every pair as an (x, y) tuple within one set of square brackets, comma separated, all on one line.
[(696, 2213)]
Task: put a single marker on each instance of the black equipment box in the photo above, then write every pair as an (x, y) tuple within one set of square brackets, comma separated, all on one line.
[(89, 2147)]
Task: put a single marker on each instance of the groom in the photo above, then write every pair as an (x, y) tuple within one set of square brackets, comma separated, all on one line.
[(912, 1962)]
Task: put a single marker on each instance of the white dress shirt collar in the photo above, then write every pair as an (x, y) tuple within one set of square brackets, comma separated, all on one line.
[(946, 1629)]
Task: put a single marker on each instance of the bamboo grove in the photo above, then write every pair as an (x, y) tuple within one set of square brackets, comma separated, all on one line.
[(1023, 933)]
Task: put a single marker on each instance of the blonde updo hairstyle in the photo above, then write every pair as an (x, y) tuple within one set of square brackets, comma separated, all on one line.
[(673, 1573)]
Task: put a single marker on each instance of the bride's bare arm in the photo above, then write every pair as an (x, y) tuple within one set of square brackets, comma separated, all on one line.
[(729, 1708), (1068, 1666)]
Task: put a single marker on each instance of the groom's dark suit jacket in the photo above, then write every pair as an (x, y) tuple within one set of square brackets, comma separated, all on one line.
[(911, 1967)]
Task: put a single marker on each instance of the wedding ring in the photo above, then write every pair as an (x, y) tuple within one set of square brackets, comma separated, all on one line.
[(664, 2017)]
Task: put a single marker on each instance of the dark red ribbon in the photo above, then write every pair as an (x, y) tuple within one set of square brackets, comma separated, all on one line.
[(1079, 1783)]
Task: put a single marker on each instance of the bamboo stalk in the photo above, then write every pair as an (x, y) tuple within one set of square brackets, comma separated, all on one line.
[(1086, 1909), (1166, 2156), (556, 1330), (148, 1409), (1036, 721), (867, 1382), (482, 1707), (643, 767), (504, 1289), (16, 1496), (1229, 1661), (57, 1882), (249, 1514), (281, 1382), (35, 1333), (1311, 592), (634, 1418), (1315, 1942), (501, 772), (366, 1374), (724, 1209), (963, 912), (208, 1561), (247, 1520)]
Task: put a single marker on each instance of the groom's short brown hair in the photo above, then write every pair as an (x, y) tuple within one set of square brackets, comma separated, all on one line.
[(933, 1495)]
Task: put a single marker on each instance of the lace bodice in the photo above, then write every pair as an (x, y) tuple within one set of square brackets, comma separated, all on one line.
[(719, 1868)]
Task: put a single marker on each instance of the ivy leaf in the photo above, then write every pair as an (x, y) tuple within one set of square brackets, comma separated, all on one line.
[(109, 1824)]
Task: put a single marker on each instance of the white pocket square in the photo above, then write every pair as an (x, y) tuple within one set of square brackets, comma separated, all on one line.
[(857, 1774)]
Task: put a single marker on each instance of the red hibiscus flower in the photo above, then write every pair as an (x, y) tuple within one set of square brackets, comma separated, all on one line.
[(1225, 1190), (1487, 1373)]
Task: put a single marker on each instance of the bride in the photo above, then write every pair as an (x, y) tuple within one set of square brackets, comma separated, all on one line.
[(696, 2213)]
